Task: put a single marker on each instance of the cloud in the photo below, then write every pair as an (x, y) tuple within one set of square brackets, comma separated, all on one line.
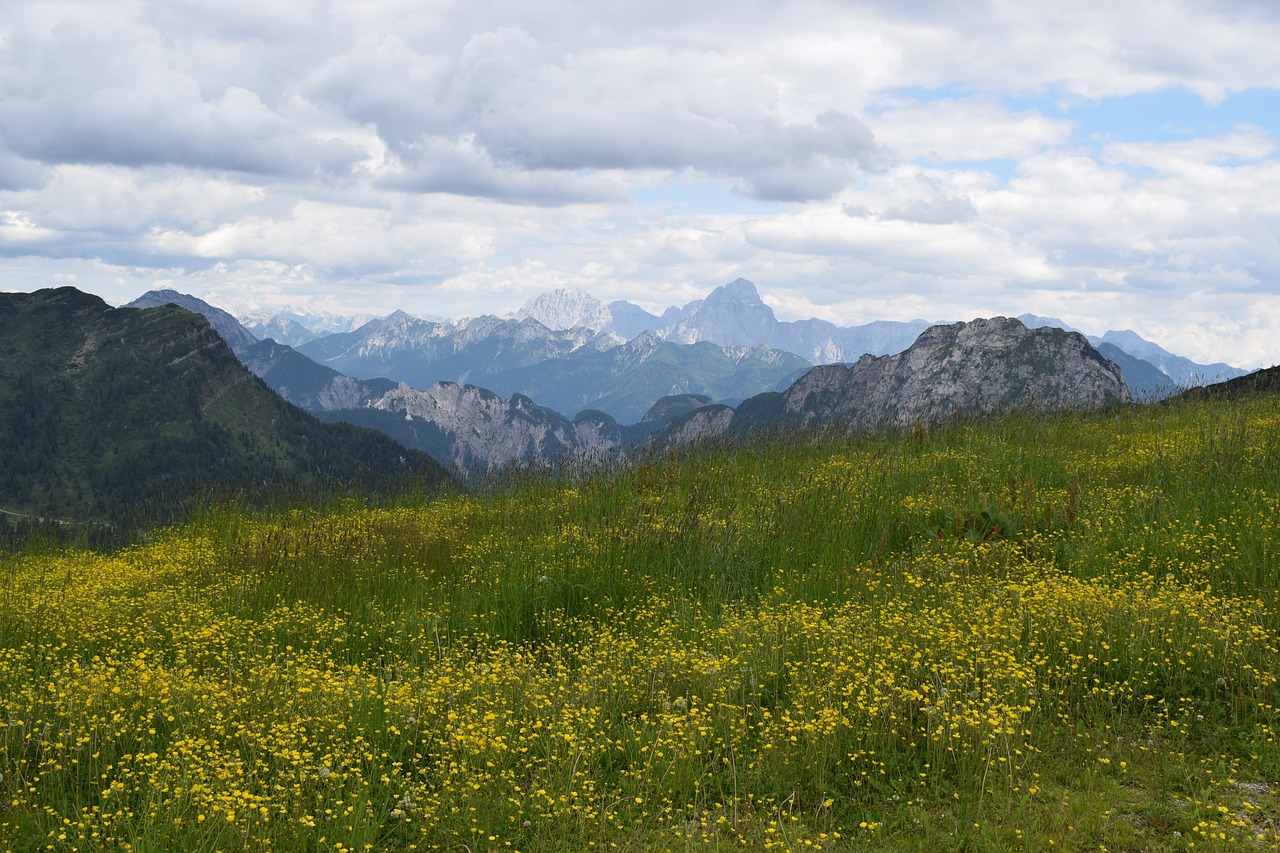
[(954, 250), (19, 173), (74, 95), (944, 130), (465, 155), (523, 103), (462, 169), (936, 210)]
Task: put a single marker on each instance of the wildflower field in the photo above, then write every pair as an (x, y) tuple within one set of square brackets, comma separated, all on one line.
[(1030, 633)]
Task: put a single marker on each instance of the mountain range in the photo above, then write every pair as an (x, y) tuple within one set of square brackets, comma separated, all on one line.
[(106, 410), (487, 392), (733, 317), (568, 370)]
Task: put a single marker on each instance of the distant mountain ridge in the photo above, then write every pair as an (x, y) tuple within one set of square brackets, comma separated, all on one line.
[(1179, 372), (1183, 371), (228, 327), (732, 315), (295, 326), (568, 370)]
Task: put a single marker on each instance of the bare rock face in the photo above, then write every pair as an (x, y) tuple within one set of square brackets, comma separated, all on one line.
[(484, 432), (980, 367), (706, 422), (566, 308)]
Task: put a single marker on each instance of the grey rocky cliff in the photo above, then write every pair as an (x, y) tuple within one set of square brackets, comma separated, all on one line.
[(485, 432), (980, 367), (706, 422)]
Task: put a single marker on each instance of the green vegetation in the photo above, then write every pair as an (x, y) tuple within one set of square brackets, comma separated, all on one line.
[(112, 416), (1028, 633)]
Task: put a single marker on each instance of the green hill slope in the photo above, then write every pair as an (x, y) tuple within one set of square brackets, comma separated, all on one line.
[(104, 411)]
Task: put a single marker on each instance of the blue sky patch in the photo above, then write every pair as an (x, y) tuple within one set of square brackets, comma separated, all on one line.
[(1165, 116), (675, 196)]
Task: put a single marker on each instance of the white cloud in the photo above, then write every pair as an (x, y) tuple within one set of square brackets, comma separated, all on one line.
[(973, 128), (454, 158)]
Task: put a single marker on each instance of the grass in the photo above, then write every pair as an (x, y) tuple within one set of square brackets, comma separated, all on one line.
[(1027, 633)]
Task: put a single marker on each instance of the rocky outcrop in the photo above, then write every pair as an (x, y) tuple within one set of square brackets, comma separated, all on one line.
[(980, 367), (483, 432), (706, 422)]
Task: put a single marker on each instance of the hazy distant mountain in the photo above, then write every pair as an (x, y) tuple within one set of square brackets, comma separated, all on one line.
[(567, 370), (1178, 372), (295, 326), (1146, 382), (280, 329), (1035, 321), (1183, 371), (628, 321), (422, 353), (625, 380), (104, 410), (567, 309), (228, 327), (732, 315), (309, 385), (735, 315)]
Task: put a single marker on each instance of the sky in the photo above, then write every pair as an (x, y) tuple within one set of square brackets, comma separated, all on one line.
[(1112, 163)]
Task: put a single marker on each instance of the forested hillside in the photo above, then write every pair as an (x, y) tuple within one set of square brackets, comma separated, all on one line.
[(105, 413)]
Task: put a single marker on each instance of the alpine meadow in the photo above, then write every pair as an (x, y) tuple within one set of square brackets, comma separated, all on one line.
[(1026, 632)]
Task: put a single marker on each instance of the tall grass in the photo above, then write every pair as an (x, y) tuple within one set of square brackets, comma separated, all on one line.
[(1032, 632)]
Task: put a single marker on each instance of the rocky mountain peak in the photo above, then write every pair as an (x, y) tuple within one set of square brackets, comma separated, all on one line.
[(399, 320), (566, 308), (738, 290), (979, 367), (732, 315)]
